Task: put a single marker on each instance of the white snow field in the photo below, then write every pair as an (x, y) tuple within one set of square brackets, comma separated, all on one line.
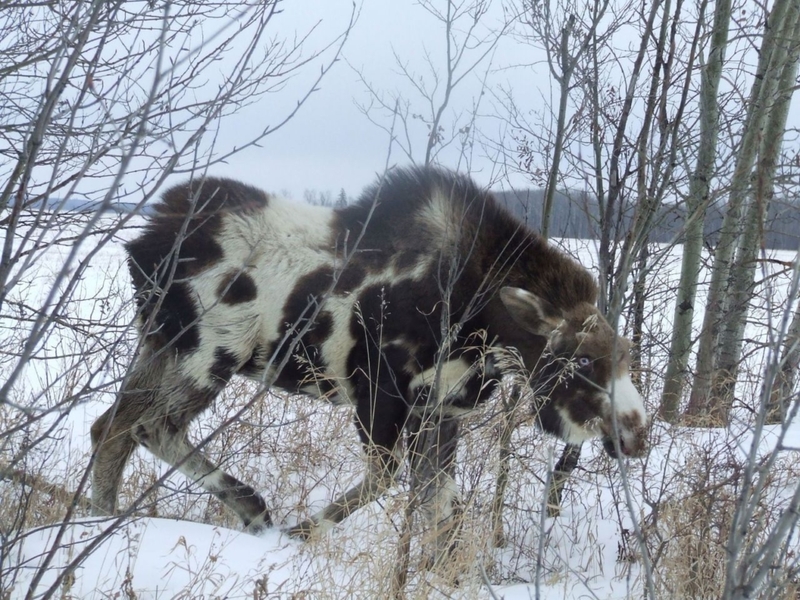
[(181, 543)]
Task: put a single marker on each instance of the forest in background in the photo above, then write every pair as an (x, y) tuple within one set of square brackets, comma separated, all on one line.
[(574, 215), (577, 215)]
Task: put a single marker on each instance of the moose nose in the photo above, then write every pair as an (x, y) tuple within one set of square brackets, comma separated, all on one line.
[(633, 445)]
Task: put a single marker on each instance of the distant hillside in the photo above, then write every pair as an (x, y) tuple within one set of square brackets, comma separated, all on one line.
[(576, 216), (82, 205)]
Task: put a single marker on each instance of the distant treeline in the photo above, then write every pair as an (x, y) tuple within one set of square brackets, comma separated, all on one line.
[(577, 216), (81, 205), (574, 216)]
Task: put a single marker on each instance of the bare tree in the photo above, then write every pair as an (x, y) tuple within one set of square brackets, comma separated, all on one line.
[(631, 173), (781, 394), (757, 560), (734, 256), (565, 42), (661, 159), (696, 203), (469, 41)]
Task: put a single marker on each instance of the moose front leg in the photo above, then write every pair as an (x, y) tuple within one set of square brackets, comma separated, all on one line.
[(379, 419), (563, 469), (380, 476)]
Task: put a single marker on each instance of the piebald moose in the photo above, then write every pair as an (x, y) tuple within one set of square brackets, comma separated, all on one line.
[(409, 305)]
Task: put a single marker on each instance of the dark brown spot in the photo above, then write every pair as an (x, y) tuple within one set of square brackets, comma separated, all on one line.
[(306, 365), (319, 332), (236, 287), (210, 195), (255, 365), (175, 322), (225, 365), (306, 362), (630, 421), (307, 292), (164, 253), (350, 278), (582, 405)]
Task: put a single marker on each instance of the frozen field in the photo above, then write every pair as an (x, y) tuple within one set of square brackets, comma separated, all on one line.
[(300, 453)]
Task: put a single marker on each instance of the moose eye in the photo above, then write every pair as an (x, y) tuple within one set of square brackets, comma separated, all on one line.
[(584, 361)]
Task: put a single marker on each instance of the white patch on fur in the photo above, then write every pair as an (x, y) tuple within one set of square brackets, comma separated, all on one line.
[(273, 246), (523, 294), (440, 508), (440, 219), (453, 377), (573, 433), (213, 481), (626, 399)]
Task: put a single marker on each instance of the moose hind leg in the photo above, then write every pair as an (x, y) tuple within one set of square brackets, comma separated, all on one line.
[(113, 446), (112, 441), (165, 436), (380, 476), (432, 452)]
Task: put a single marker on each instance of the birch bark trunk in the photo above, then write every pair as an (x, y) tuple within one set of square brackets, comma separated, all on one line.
[(742, 277), (765, 84), (696, 203)]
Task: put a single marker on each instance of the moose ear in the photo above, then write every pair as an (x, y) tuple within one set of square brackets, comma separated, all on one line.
[(531, 312)]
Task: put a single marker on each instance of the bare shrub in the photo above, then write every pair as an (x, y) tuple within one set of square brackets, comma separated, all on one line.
[(687, 533)]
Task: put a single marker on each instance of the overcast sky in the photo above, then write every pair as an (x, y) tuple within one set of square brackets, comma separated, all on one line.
[(331, 144)]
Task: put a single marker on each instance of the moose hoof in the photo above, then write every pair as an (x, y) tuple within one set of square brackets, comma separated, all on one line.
[(303, 531), (444, 566), (310, 528), (258, 525)]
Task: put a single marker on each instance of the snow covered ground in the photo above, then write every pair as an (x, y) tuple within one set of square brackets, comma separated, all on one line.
[(300, 453)]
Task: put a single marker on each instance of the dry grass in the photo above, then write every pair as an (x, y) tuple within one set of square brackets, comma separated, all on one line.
[(301, 453), (687, 534)]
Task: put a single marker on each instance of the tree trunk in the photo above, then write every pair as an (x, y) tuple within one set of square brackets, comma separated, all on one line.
[(783, 384), (742, 277), (567, 66), (696, 202), (638, 316), (762, 92), (608, 225)]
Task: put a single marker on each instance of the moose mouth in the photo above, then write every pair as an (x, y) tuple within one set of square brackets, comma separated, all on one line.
[(611, 450)]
